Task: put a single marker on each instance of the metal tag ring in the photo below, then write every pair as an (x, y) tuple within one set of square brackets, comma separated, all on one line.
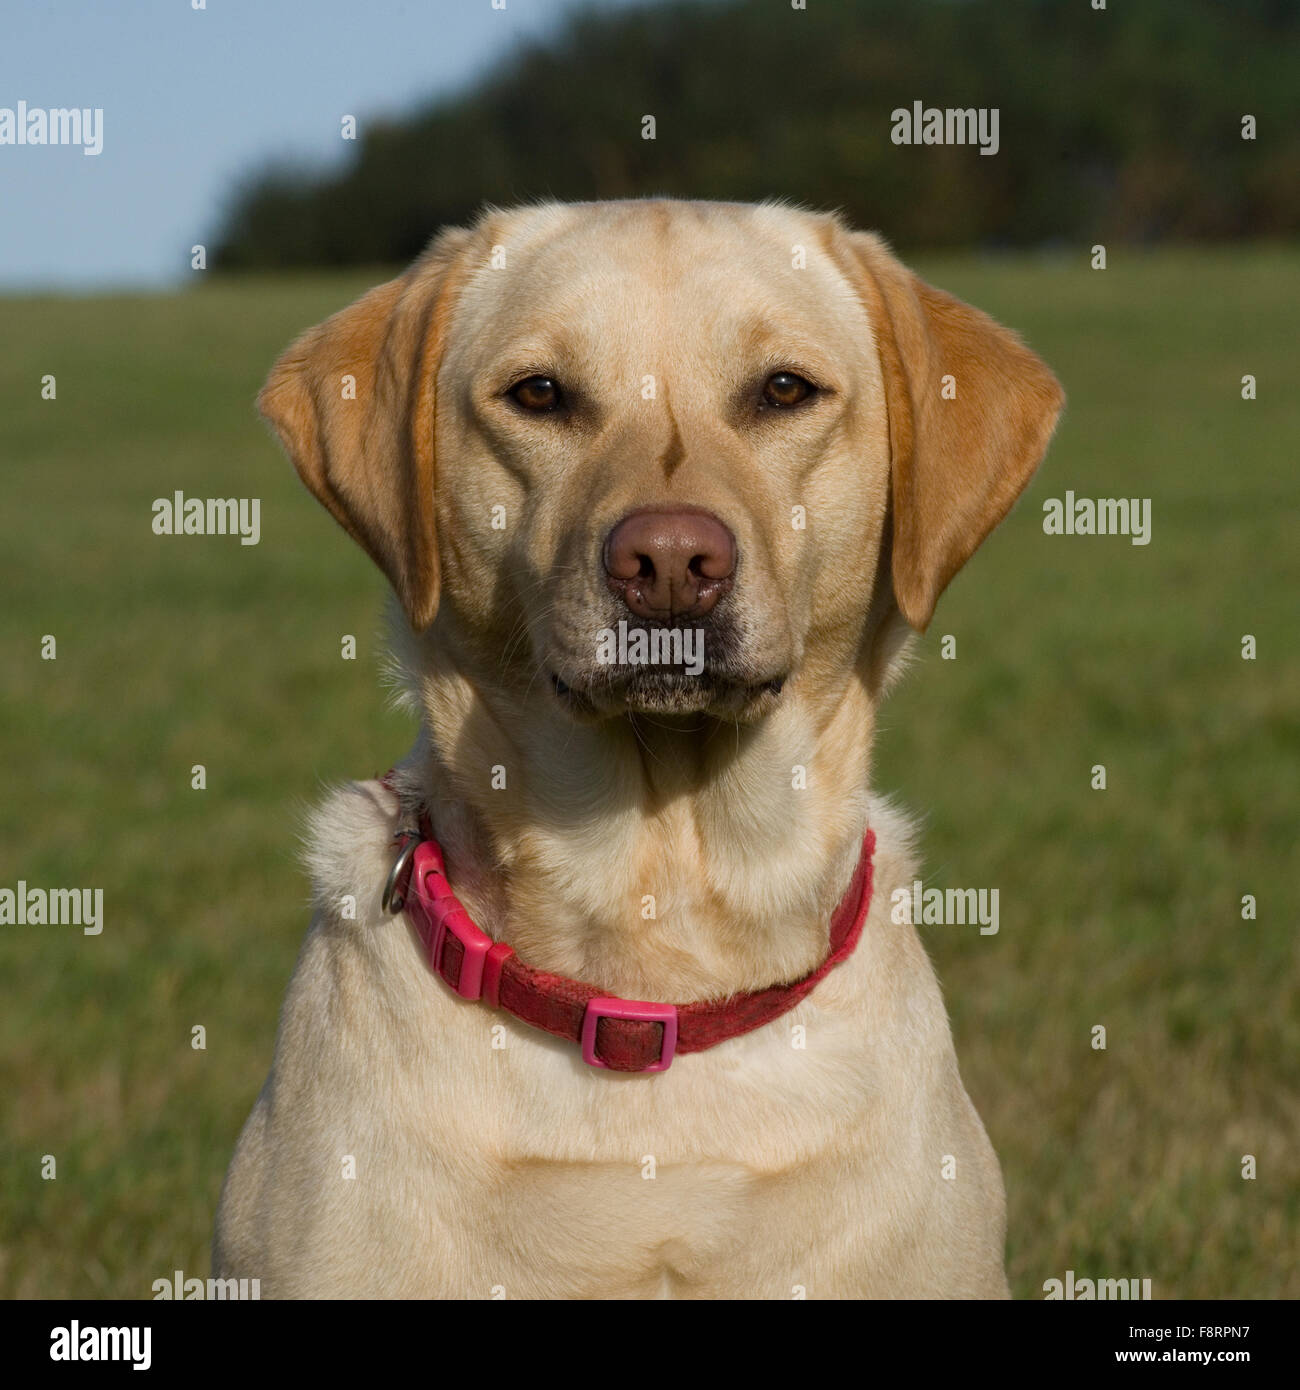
[(392, 901)]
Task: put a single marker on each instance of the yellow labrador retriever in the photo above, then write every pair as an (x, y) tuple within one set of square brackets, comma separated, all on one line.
[(661, 488)]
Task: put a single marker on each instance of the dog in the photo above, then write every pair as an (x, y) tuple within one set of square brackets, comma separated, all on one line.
[(571, 435)]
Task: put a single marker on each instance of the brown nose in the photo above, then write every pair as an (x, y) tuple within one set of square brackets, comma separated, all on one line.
[(666, 563)]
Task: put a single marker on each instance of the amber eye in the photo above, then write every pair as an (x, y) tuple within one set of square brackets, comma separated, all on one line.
[(537, 393), (785, 389)]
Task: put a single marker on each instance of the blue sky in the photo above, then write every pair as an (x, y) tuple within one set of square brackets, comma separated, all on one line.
[(194, 100)]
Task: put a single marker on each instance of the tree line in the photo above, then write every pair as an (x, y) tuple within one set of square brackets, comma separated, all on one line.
[(1148, 120)]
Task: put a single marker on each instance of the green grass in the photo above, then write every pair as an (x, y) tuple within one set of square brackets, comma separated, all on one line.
[(1118, 907)]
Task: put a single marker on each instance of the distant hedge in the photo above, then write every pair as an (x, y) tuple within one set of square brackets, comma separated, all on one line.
[(1123, 124)]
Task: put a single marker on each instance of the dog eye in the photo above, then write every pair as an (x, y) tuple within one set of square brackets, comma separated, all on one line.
[(785, 389), (538, 394)]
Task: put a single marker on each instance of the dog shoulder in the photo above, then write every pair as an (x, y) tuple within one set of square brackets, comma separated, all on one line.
[(897, 834), (348, 849)]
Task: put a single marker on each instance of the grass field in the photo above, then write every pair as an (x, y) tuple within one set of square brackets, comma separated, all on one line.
[(1119, 907)]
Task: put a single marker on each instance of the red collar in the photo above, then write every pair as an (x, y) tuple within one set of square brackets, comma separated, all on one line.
[(621, 1034)]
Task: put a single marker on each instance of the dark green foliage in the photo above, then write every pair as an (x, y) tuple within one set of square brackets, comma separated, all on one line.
[(1115, 125)]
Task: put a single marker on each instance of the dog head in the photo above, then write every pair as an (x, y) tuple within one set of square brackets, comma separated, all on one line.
[(663, 457)]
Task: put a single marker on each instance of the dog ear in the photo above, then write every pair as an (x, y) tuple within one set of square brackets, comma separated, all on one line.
[(352, 401), (971, 411)]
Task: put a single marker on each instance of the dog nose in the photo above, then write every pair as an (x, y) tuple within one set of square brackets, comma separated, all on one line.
[(666, 563)]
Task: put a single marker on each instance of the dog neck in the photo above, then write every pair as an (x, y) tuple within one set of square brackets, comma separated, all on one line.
[(660, 859)]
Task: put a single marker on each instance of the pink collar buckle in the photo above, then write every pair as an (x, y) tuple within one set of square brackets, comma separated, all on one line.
[(632, 1011), (440, 918)]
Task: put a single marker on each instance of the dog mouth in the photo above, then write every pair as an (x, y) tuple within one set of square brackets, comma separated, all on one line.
[(614, 691), (681, 667)]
